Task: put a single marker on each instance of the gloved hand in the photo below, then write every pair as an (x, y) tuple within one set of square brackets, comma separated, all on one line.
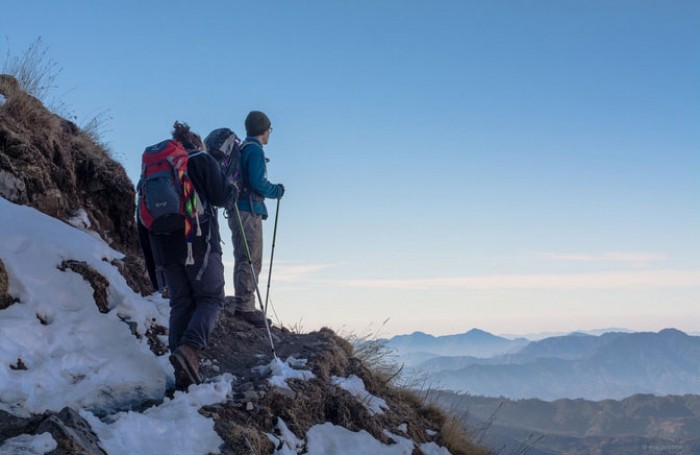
[(282, 187)]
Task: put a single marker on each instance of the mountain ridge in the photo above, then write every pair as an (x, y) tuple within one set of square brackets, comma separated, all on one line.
[(474, 342), (612, 365)]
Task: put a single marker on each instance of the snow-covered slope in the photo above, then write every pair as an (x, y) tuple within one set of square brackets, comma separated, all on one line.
[(65, 352)]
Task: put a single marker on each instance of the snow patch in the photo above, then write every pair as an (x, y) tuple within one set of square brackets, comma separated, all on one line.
[(175, 426), (328, 438), (430, 448), (356, 387), (80, 220), (282, 371), (286, 442), (2, 99), (28, 444)]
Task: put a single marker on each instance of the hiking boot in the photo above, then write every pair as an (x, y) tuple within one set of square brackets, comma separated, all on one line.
[(182, 381), (187, 360), (254, 317)]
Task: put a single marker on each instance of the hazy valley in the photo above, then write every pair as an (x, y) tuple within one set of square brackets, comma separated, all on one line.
[(614, 393)]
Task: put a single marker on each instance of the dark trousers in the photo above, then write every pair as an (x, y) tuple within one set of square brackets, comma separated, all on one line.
[(194, 303)]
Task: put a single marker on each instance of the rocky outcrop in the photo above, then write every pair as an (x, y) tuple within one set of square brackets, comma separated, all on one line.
[(70, 431), (5, 298), (48, 163), (256, 407)]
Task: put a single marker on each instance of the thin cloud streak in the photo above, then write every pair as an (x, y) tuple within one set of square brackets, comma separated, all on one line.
[(297, 273), (648, 279), (288, 273), (612, 256)]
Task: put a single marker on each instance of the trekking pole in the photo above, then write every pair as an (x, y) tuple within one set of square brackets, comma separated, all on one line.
[(255, 280), (272, 256)]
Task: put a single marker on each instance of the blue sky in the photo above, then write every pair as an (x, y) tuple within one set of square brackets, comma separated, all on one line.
[(517, 166)]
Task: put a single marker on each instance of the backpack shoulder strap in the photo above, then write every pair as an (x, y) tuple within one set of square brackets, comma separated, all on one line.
[(246, 144), (241, 149)]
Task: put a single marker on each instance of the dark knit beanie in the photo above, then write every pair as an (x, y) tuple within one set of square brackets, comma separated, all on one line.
[(256, 123)]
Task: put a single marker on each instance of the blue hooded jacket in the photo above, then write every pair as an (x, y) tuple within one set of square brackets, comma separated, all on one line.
[(256, 185)]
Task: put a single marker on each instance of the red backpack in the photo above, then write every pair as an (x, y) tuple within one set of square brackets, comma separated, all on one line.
[(168, 201)]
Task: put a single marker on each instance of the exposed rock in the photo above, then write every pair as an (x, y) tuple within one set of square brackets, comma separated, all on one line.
[(19, 365), (72, 433), (154, 343), (131, 267), (153, 332), (12, 425), (11, 187), (5, 298), (48, 163), (98, 282)]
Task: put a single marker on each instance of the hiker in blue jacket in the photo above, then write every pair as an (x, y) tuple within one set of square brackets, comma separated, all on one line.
[(251, 205), (196, 290)]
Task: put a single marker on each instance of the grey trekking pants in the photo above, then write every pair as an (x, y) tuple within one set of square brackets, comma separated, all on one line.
[(243, 279)]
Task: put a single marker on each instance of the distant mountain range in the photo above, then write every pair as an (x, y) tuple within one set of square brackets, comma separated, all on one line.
[(640, 424), (542, 335), (612, 365), (475, 342)]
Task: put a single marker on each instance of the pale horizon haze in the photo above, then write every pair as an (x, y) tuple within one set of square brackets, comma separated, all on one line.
[(514, 166)]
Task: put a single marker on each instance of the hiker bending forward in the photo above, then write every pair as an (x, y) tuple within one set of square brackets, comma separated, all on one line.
[(251, 205), (196, 289)]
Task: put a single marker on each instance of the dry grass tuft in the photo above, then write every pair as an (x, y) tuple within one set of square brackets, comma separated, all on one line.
[(374, 354), (35, 72), (297, 328), (97, 127), (22, 109), (457, 440)]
